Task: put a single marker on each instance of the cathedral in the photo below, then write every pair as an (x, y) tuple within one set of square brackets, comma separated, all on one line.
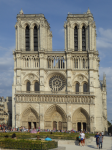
[(58, 90)]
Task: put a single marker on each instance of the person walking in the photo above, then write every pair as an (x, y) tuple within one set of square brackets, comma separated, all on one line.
[(97, 136), (102, 133), (100, 140), (82, 138), (79, 139)]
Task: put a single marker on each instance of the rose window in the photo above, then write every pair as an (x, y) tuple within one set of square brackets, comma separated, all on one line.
[(57, 83)]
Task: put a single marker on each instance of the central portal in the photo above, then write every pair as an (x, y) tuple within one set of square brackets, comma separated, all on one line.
[(55, 118)]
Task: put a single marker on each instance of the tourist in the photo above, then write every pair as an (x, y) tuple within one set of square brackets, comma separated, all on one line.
[(82, 138), (38, 138), (14, 136), (100, 140), (79, 139), (97, 136)]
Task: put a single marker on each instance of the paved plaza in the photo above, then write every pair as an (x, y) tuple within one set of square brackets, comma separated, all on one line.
[(107, 145)]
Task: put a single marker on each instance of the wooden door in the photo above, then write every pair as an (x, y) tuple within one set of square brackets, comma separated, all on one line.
[(79, 126), (54, 125), (60, 125)]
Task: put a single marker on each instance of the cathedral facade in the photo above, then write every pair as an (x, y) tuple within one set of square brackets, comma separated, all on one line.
[(58, 89)]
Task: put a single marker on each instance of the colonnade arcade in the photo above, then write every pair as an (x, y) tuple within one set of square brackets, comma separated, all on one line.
[(56, 118)]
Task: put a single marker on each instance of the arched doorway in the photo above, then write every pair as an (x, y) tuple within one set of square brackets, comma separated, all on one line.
[(81, 120), (30, 118), (55, 118)]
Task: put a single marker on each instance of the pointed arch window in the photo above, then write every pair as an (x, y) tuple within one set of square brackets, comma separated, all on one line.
[(28, 86), (76, 38), (85, 87), (83, 39), (77, 87), (36, 86), (27, 38), (27, 63), (35, 38)]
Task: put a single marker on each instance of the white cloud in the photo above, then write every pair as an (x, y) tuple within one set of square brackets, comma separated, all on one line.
[(104, 39)]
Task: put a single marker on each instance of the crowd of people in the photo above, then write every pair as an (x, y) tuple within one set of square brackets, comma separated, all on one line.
[(5, 128)]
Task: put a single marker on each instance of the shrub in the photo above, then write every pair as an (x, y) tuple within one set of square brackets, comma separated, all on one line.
[(27, 144)]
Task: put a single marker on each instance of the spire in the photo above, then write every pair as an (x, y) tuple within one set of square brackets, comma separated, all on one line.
[(104, 80), (21, 12), (88, 11)]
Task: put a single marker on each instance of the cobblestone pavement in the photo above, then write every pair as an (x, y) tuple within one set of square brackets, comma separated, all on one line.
[(107, 145)]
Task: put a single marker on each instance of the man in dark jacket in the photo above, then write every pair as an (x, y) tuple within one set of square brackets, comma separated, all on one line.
[(97, 136)]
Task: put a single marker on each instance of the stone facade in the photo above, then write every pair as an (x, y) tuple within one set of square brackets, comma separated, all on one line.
[(58, 89), (4, 116), (9, 108)]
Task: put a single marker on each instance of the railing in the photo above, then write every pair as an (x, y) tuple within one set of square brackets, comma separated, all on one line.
[(50, 92), (55, 62)]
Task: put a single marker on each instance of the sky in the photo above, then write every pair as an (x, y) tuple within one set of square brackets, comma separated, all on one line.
[(55, 12)]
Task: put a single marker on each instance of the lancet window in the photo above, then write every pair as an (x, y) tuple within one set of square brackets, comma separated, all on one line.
[(28, 86), (76, 38), (36, 86), (83, 39), (35, 38), (77, 87), (85, 87), (27, 38), (83, 63)]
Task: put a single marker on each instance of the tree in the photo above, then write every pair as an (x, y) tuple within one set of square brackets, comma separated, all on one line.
[(109, 124)]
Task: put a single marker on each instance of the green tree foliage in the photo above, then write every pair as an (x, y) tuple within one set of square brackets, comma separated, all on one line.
[(109, 124)]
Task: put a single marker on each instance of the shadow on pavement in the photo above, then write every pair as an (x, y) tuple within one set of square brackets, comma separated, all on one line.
[(91, 146)]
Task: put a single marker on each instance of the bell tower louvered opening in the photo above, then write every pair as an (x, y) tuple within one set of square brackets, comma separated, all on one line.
[(83, 39), (76, 38), (27, 36), (35, 38)]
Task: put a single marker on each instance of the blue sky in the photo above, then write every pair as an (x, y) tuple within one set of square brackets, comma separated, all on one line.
[(55, 12)]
